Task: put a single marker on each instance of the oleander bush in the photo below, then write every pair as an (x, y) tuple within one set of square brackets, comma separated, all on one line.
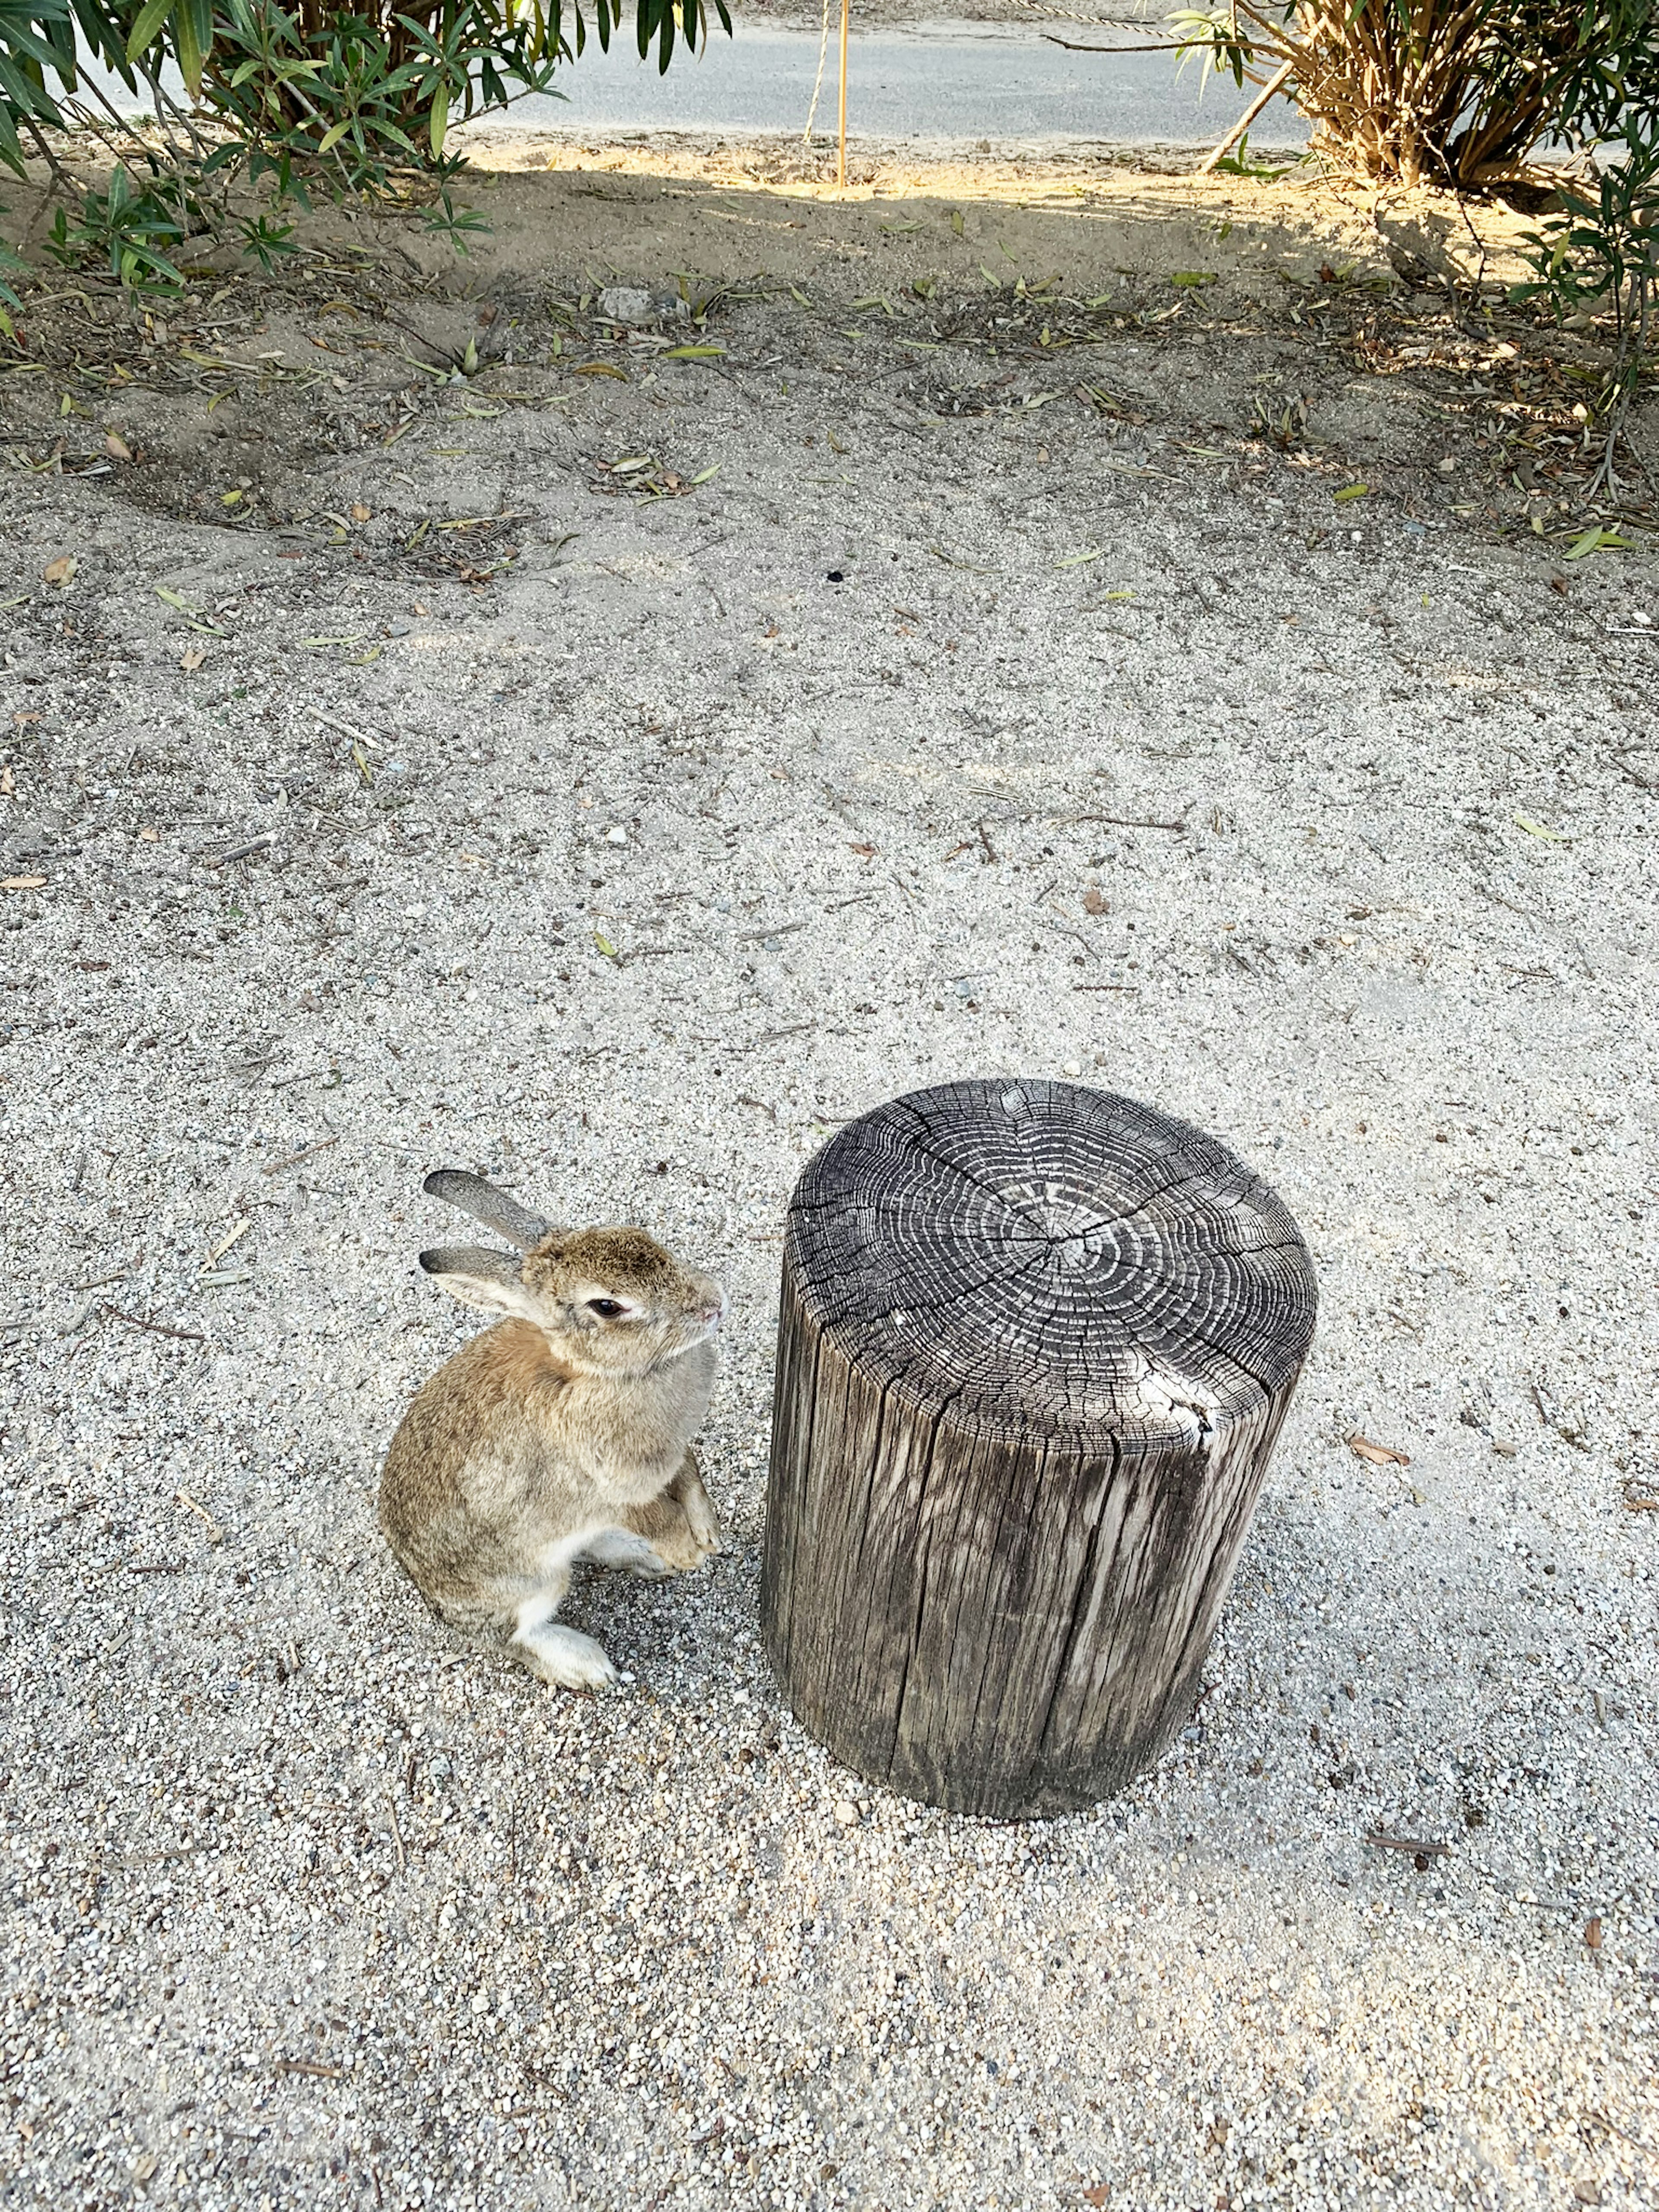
[(299, 97), (1464, 93)]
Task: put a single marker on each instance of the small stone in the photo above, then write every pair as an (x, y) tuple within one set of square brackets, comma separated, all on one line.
[(628, 303), (846, 1813)]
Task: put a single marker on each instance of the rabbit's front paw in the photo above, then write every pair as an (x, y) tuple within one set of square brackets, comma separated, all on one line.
[(676, 1552), (566, 1658), (700, 1520), (676, 1532)]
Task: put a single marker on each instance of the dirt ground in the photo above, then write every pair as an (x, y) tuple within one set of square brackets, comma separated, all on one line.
[(1062, 619)]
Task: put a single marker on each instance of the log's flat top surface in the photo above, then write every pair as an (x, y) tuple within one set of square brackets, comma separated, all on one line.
[(1041, 1260)]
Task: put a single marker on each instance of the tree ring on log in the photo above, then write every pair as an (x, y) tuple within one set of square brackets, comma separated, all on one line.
[(1040, 1260)]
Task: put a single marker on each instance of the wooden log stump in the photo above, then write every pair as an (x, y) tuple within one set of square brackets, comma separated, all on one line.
[(1036, 1346)]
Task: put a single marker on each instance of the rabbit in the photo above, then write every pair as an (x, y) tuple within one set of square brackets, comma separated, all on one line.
[(561, 1433)]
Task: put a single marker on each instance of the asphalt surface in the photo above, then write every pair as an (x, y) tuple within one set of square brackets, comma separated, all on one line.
[(949, 83), (955, 83)]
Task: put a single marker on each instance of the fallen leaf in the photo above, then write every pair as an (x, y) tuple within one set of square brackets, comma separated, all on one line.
[(8, 783), (604, 945), (1596, 541), (1079, 560), (1189, 277), (1378, 1455), (868, 851), (22, 884), (600, 368), (1350, 491), (233, 497), (1093, 903), (191, 658), (1593, 1934), (61, 571), (693, 353), (116, 446), (1097, 2195), (1537, 830)]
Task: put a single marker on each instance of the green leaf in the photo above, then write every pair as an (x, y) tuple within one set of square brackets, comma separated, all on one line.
[(1191, 277), (1595, 540), (1537, 830), (150, 18), (1350, 491), (694, 353), (439, 122), (192, 33), (604, 945)]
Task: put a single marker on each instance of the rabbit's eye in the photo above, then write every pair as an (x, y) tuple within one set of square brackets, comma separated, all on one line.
[(608, 1308)]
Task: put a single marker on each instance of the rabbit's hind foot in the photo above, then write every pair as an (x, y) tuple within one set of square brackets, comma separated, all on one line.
[(566, 1658)]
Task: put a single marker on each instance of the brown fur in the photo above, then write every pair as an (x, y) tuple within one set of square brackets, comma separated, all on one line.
[(478, 1403), (561, 1431)]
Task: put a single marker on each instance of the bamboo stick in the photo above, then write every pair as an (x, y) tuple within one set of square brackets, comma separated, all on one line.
[(840, 141)]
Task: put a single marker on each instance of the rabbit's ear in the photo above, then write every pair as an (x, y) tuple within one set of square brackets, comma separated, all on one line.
[(473, 1195), (479, 1277)]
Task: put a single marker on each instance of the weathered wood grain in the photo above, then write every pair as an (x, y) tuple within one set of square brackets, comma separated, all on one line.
[(1035, 1348)]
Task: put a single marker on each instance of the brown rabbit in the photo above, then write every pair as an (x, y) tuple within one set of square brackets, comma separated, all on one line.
[(563, 1433)]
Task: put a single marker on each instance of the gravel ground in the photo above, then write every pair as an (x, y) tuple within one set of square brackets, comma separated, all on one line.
[(623, 869)]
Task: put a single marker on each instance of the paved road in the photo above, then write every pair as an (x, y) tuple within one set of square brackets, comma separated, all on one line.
[(949, 83), (945, 83)]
